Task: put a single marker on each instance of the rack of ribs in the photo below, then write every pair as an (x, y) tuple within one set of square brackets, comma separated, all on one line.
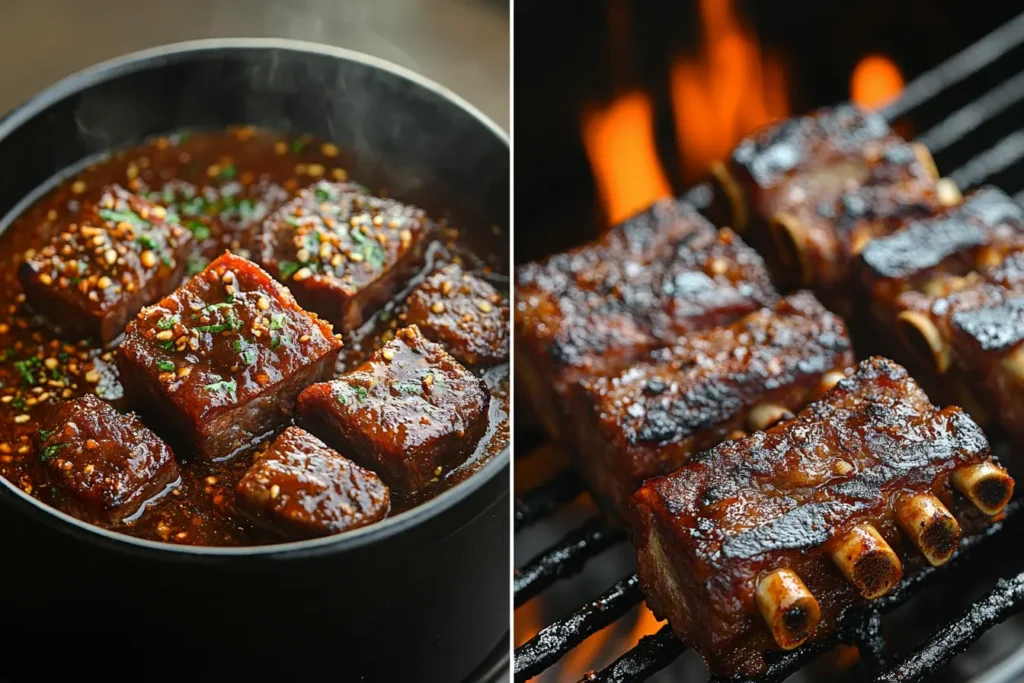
[(810, 192), (649, 419), (596, 309), (761, 542)]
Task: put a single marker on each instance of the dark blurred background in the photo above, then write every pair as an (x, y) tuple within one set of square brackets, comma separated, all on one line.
[(619, 102), (462, 44)]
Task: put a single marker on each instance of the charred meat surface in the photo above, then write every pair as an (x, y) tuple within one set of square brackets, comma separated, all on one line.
[(219, 363), (301, 488), (97, 273), (597, 308), (649, 419), (104, 465), (463, 313), (811, 191), (411, 413), (343, 252), (924, 254), (825, 497)]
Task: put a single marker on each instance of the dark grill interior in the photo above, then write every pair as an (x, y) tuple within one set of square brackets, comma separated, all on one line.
[(969, 109)]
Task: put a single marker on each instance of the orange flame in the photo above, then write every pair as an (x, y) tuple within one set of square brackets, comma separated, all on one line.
[(619, 140), (875, 82), (727, 91)]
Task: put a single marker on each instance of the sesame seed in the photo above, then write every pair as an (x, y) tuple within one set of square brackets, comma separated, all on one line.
[(315, 170), (280, 149), (437, 472), (78, 187), (88, 468), (92, 376), (438, 307), (339, 174), (263, 303), (110, 256), (103, 282), (21, 419), (211, 480), (302, 255), (329, 150), (484, 306), (148, 259), (275, 491), (50, 363), (45, 279), (304, 338), (429, 379), (446, 287), (184, 372), (357, 257), (164, 335), (302, 274), (388, 354)]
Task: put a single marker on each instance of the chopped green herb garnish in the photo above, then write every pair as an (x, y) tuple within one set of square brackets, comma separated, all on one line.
[(227, 386), (249, 210), (373, 253), (55, 373), (275, 342), (199, 230), (348, 390), (126, 216), (249, 356), (230, 323), (45, 434), (287, 268), (167, 194), (195, 206), (237, 345), (25, 369), (408, 386), (168, 321), (277, 321), (19, 403), (228, 172), (51, 451), (147, 241), (361, 394), (196, 265), (292, 220), (183, 137), (167, 345), (299, 145), (322, 195), (165, 366)]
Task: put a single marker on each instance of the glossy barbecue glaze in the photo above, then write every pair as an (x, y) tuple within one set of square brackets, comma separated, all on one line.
[(649, 419), (595, 309), (811, 191), (795, 497), (219, 186)]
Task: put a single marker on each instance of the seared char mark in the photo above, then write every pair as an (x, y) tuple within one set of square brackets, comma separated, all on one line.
[(648, 419), (824, 496), (643, 284)]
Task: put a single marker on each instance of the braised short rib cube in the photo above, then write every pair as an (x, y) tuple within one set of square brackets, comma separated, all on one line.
[(342, 252), (219, 363), (597, 308), (299, 487), (411, 413), (104, 466), (650, 418), (95, 275), (463, 313)]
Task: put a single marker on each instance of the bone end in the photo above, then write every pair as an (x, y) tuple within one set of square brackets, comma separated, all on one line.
[(733, 193), (867, 561), (790, 240), (922, 338), (930, 526), (987, 485), (788, 608), (763, 416)]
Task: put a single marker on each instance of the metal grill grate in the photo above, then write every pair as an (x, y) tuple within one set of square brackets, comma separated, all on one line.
[(861, 627)]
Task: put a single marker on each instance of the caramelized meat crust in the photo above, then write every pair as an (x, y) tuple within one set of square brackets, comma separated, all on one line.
[(342, 252), (463, 313), (104, 466), (219, 363), (300, 488), (785, 498), (811, 191), (596, 309), (95, 275), (649, 419), (411, 413)]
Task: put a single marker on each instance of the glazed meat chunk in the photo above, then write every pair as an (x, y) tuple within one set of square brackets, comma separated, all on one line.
[(762, 542), (94, 276), (411, 413), (104, 466), (342, 252), (594, 310), (649, 419), (301, 488), (219, 363), (462, 313), (811, 191)]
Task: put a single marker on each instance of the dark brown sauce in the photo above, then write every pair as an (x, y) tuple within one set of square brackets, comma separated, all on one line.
[(38, 370)]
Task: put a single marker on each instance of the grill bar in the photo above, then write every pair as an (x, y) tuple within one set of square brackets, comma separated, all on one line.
[(968, 61), (958, 125), (555, 640), (565, 558), (997, 159), (1005, 600), (542, 501), (652, 654)]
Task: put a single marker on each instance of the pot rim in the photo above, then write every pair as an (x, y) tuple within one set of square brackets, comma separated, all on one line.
[(169, 53)]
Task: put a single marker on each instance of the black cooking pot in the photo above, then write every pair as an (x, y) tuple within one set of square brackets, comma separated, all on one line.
[(422, 596)]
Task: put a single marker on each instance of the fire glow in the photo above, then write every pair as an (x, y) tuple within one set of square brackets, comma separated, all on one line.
[(876, 81)]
